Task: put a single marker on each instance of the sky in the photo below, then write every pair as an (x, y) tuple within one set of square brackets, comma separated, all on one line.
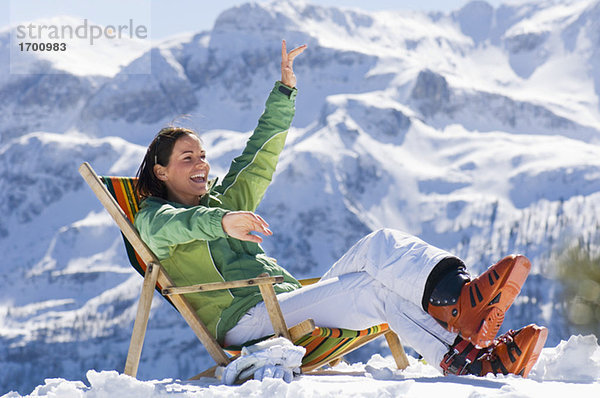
[(172, 17)]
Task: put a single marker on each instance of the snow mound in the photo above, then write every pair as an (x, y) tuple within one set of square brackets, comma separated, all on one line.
[(573, 365), (575, 360)]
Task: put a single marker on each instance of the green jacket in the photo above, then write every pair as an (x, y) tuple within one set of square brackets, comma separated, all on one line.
[(190, 241)]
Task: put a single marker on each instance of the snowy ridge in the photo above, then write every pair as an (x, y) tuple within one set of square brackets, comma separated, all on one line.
[(480, 138)]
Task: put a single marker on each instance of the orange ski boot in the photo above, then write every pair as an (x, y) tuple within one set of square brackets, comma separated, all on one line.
[(514, 352), (477, 313)]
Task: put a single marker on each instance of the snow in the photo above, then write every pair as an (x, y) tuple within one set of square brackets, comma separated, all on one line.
[(572, 367)]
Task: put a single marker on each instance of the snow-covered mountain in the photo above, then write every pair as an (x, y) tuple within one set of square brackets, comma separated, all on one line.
[(476, 130)]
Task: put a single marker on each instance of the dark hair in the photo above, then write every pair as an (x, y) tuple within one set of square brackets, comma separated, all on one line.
[(159, 152)]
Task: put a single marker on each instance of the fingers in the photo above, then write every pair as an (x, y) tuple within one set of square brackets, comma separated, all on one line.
[(251, 238), (264, 225), (295, 52), (284, 54), (289, 57), (258, 224), (287, 60), (241, 224)]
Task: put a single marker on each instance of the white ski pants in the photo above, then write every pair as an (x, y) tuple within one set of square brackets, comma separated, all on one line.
[(381, 279)]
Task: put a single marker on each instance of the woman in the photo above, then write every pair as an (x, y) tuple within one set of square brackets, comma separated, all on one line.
[(205, 232)]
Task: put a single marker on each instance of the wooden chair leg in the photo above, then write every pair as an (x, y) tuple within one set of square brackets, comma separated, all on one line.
[(141, 320), (397, 350), (274, 310)]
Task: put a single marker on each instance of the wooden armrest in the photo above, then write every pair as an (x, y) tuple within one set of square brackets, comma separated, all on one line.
[(205, 287)]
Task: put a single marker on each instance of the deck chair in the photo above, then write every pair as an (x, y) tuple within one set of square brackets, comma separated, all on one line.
[(324, 346)]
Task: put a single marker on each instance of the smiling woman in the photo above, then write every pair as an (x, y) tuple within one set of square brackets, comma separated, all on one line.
[(158, 155), (185, 176), (205, 232)]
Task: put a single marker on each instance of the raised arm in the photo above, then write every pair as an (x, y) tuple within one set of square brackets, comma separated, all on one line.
[(250, 173)]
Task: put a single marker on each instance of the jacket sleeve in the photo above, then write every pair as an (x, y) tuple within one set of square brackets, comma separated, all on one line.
[(250, 173), (162, 226)]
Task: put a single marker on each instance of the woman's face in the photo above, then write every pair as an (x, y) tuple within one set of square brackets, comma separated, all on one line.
[(186, 175)]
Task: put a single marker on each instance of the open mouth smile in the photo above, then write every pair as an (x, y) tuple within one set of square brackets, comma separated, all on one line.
[(199, 178)]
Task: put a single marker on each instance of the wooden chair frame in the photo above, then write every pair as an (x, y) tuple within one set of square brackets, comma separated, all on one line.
[(156, 274)]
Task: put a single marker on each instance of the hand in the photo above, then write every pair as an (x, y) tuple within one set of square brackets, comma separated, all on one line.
[(287, 61), (239, 224)]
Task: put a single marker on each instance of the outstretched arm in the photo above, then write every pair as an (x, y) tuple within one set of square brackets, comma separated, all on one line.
[(250, 173)]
